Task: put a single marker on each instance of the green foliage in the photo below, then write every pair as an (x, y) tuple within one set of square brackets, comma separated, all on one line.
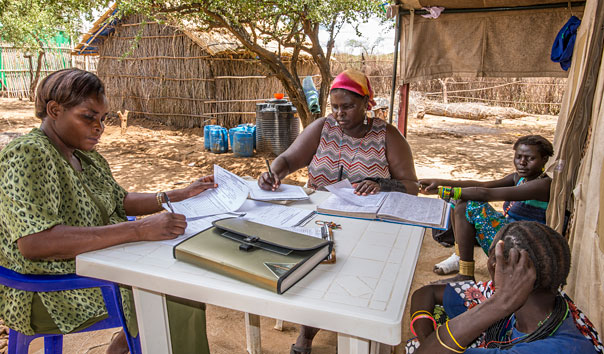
[(292, 24), (29, 24), (282, 21)]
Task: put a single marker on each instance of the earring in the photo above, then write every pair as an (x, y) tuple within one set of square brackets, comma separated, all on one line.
[(365, 120)]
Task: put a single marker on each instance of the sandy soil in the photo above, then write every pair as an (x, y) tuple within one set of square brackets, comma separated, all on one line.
[(152, 157)]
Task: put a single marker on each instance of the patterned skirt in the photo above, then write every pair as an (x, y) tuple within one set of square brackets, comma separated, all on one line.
[(486, 220)]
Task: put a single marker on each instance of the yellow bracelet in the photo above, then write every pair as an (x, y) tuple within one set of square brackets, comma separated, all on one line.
[(424, 311), (451, 334), (159, 197), (444, 345)]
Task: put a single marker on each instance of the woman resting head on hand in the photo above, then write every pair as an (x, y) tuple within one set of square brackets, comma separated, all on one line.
[(59, 199), (347, 144), (522, 309)]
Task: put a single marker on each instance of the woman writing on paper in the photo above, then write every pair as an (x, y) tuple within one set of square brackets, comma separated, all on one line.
[(526, 193), (348, 145), (59, 199)]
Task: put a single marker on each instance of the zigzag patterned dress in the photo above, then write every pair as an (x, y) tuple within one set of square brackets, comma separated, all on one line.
[(359, 157)]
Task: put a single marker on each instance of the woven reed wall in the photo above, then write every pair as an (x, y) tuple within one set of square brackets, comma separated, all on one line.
[(169, 78), (15, 76)]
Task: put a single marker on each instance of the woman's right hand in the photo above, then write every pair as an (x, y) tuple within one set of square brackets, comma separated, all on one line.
[(162, 226), (429, 186), (267, 183), (514, 277)]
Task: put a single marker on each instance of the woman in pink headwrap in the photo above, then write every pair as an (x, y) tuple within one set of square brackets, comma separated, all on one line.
[(347, 144), (371, 153)]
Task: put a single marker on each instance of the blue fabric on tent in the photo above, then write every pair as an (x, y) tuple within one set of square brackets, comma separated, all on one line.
[(562, 50)]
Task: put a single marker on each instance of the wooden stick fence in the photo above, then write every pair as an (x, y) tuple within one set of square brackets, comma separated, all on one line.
[(16, 73)]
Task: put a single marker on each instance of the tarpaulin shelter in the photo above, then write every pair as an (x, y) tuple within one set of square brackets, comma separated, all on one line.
[(486, 38), (578, 165), (514, 39)]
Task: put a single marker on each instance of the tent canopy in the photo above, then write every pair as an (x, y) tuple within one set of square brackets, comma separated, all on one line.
[(474, 4), (513, 43)]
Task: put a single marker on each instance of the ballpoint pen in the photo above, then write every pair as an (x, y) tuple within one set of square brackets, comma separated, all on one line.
[(168, 202), (270, 173)]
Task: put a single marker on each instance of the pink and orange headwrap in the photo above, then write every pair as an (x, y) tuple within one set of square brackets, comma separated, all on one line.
[(355, 81)]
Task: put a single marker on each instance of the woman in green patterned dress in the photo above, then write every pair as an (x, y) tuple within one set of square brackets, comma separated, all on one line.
[(58, 199)]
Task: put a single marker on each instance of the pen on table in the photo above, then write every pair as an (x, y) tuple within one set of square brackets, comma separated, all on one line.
[(168, 202), (270, 173)]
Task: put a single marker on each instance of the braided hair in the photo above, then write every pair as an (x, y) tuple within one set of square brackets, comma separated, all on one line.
[(546, 148), (550, 255), (547, 249)]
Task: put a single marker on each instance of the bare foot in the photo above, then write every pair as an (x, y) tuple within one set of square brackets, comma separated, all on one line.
[(118, 345), (304, 341), (454, 279)]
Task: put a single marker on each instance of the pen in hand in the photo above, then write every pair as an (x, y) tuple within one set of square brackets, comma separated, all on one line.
[(270, 173), (168, 202)]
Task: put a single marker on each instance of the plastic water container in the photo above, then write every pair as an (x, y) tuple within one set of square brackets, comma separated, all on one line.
[(243, 144), (232, 131), (250, 128), (206, 135), (218, 140)]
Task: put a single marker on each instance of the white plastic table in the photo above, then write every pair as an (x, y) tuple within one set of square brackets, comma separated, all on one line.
[(361, 297)]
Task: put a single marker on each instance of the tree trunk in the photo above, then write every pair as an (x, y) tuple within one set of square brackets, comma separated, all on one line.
[(34, 82)]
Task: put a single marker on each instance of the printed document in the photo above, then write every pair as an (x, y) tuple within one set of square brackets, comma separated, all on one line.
[(345, 191), (274, 214), (229, 196), (401, 206)]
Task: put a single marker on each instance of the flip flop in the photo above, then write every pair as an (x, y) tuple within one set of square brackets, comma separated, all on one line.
[(299, 350)]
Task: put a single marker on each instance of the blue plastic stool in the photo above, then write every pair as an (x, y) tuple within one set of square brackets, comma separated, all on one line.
[(18, 343)]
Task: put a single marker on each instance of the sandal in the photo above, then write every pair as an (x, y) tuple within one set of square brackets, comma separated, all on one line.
[(448, 266), (299, 350)]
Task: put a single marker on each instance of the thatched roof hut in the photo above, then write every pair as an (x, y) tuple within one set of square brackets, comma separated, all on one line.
[(179, 76)]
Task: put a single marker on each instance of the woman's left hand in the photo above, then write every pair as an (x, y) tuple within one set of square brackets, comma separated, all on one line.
[(366, 187), (198, 186)]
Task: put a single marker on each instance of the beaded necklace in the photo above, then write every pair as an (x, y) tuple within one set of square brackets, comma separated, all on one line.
[(498, 335)]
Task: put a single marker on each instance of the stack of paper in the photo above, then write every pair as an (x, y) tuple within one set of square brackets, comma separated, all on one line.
[(284, 192), (230, 199)]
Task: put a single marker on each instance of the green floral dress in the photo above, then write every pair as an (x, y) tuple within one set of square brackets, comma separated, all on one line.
[(38, 190)]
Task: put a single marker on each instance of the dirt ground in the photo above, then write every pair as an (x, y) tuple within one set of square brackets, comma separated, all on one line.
[(152, 157)]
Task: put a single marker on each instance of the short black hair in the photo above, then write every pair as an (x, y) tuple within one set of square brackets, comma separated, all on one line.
[(547, 249), (67, 87), (545, 147)]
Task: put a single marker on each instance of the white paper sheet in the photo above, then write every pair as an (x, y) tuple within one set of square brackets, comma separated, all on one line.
[(337, 204), (345, 191), (195, 226), (284, 192), (274, 214), (309, 231), (263, 213), (231, 193)]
